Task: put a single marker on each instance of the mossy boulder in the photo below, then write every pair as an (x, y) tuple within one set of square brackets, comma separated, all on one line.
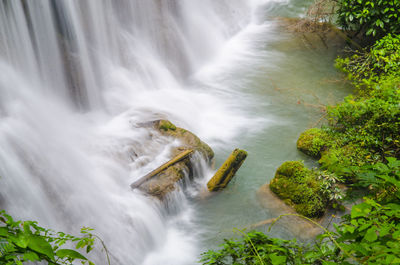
[(300, 188), (162, 183), (314, 142)]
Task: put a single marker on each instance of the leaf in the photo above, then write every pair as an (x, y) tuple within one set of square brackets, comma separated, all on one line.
[(371, 235), (40, 245), (31, 256), (21, 240), (63, 253), (360, 210), (3, 231), (276, 260)]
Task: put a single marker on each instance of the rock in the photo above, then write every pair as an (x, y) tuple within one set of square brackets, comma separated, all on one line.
[(164, 179), (183, 156), (226, 172), (300, 188)]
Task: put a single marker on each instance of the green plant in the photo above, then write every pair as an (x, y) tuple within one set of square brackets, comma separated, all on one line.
[(256, 248), (372, 122), (23, 241), (380, 62), (371, 234), (372, 17), (381, 179)]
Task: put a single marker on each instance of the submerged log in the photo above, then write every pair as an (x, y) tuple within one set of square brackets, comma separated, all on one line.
[(181, 156), (226, 172)]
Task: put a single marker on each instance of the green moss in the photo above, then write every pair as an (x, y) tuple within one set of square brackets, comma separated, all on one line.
[(300, 188), (166, 125), (314, 141), (188, 139)]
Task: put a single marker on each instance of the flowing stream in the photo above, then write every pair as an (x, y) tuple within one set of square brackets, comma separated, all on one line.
[(78, 76)]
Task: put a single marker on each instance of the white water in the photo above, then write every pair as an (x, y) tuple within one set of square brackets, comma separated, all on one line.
[(75, 79)]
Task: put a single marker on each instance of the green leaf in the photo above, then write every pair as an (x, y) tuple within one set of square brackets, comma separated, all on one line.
[(3, 231), (31, 256), (276, 260), (371, 235), (40, 245), (360, 210), (63, 253), (21, 240)]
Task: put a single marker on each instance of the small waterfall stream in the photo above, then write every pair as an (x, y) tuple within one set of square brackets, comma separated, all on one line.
[(75, 79)]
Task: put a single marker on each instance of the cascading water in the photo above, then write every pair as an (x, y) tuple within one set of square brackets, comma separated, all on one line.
[(75, 78)]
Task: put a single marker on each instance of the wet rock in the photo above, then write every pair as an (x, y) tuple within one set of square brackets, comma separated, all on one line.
[(189, 140), (163, 180), (227, 171), (166, 181)]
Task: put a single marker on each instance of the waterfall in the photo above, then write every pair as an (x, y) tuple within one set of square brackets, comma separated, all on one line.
[(76, 76)]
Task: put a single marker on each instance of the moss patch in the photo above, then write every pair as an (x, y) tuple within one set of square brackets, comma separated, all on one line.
[(300, 188), (165, 125), (188, 139), (314, 141)]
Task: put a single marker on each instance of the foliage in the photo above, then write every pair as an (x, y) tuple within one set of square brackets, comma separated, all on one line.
[(256, 248), (372, 17), (371, 122), (369, 235), (26, 241), (366, 68), (381, 179)]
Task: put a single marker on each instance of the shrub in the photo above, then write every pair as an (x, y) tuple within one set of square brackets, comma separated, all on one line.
[(372, 17), (366, 69), (372, 123), (27, 241)]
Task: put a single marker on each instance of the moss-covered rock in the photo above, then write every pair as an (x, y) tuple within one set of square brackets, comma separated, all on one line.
[(314, 141), (165, 181), (300, 188)]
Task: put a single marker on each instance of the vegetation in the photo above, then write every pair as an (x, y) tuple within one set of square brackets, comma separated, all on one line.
[(369, 235), (369, 16), (26, 241), (361, 145)]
